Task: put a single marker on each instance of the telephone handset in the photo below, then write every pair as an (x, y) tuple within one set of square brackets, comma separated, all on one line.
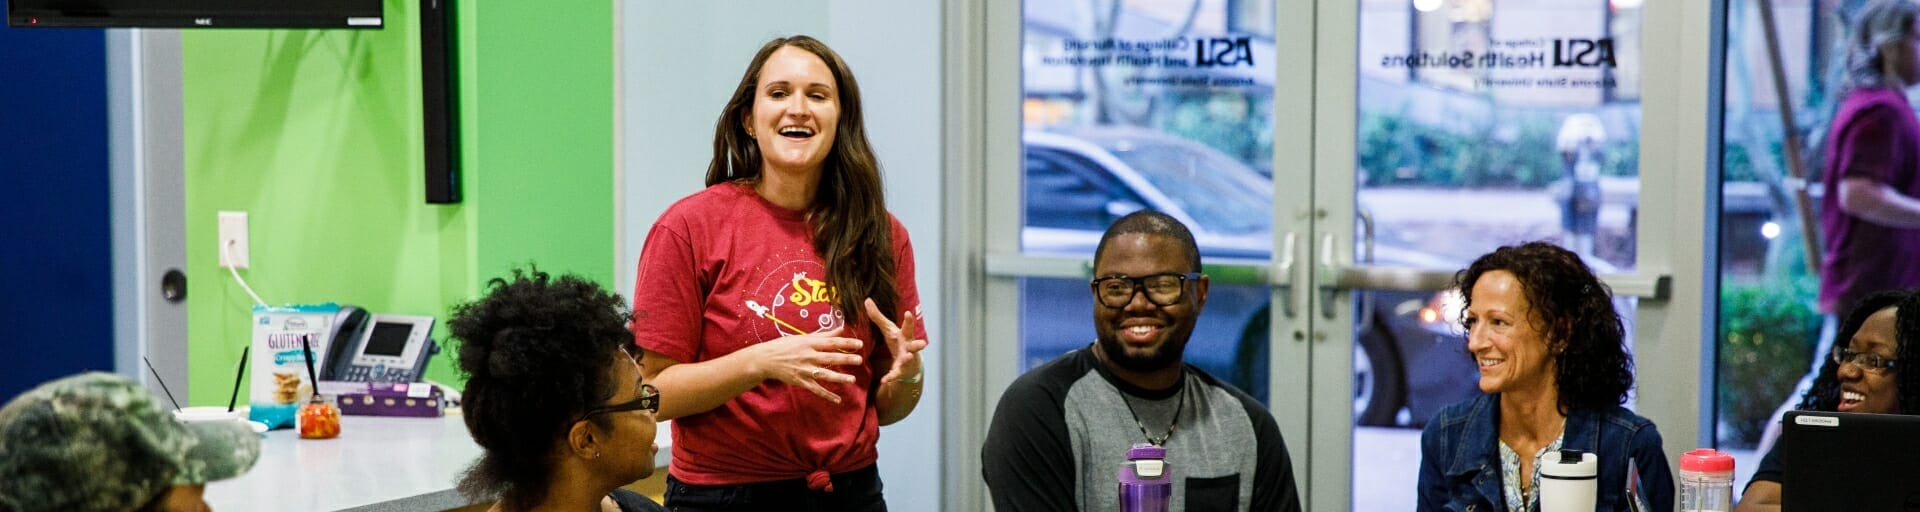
[(377, 347)]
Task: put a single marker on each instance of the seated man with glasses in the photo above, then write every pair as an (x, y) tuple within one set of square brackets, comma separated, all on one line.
[(1865, 374), (554, 397), (1062, 431)]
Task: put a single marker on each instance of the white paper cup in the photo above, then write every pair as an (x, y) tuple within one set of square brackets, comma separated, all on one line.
[(206, 413)]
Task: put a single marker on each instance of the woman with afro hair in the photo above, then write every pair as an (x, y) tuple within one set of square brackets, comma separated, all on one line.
[(554, 396)]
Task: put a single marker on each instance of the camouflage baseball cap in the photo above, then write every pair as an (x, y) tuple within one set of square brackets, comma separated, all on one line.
[(99, 441)]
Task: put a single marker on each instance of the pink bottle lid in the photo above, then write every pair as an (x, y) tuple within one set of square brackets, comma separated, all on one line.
[(1706, 460)]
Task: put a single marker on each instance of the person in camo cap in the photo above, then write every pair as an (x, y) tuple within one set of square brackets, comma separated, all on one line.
[(98, 441)]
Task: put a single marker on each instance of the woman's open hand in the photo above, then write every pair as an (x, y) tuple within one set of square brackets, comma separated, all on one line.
[(900, 342)]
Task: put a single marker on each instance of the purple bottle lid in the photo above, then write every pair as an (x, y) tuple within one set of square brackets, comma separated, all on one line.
[(1146, 451)]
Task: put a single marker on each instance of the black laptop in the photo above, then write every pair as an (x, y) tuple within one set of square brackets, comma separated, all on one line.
[(1848, 461)]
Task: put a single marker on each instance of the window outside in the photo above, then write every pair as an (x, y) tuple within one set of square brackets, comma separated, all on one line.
[(1480, 124), (1770, 320), (1162, 105)]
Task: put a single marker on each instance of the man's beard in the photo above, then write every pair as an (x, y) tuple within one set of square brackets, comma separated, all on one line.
[(1165, 356)]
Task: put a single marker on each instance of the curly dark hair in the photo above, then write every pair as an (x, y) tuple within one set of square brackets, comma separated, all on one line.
[(536, 351), (1824, 395), (1574, 311)]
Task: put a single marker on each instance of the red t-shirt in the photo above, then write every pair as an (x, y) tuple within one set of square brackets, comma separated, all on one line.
[(723, 269), (1874, 136)]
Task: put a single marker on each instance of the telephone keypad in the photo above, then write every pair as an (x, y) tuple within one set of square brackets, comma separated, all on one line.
[(379, 373)]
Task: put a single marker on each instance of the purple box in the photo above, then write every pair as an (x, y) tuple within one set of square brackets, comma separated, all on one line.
[(417, 399)]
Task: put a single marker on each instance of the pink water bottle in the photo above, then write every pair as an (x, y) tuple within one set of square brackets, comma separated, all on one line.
[(1706, 481), (1146, 482)]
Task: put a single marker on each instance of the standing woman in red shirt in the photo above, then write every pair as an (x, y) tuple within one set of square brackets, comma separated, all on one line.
[(777, 306)]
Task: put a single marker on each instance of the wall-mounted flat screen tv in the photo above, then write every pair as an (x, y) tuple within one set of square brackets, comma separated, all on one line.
[(196, 13)]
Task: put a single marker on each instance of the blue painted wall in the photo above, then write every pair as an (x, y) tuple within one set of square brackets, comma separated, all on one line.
[(56, 300)]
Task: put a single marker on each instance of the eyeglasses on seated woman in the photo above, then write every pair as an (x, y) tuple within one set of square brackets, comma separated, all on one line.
[(1866, 373)]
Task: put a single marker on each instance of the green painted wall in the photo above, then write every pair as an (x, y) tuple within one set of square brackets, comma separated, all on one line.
[(316, 135), (537, 116)]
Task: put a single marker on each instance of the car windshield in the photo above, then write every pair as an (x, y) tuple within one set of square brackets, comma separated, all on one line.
[(1221, 194)]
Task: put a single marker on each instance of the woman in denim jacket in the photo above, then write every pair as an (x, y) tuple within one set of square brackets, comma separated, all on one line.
[(1555, 369)]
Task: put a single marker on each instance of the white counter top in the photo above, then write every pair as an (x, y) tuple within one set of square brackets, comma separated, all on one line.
[(377, 463)]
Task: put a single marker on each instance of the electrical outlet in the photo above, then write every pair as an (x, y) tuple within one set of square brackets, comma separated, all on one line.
[(233, 239)]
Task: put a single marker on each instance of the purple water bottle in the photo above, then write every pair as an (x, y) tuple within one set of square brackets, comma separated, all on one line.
[(1146, 482)]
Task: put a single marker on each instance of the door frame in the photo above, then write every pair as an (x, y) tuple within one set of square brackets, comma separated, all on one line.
[(148, 208)]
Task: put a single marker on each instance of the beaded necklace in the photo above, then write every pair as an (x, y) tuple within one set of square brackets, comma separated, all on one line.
[(1162, 440)]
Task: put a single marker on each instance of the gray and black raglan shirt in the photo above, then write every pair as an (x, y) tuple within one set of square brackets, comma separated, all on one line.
[(1062, 431)]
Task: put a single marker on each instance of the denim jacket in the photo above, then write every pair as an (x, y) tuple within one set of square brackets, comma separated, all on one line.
[(1460, 461)]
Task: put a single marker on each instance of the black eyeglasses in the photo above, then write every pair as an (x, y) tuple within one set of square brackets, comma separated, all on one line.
[(1162, 289), (649, 400), (1866, 361)]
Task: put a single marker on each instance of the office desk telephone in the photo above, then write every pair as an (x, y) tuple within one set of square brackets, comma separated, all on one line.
[(377, 347)]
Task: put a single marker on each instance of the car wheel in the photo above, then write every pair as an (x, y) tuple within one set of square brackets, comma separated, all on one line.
[(1362, 381), (1378, 387), (1378, 380)]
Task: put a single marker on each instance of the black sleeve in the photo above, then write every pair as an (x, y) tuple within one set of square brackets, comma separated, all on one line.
[(1273, 488), (1027, 461), (1770, 469)]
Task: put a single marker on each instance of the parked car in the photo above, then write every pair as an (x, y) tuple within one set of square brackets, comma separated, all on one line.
[(1409, 361)]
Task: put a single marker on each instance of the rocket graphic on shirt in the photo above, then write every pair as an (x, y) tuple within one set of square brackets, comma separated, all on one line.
[(793, 299)]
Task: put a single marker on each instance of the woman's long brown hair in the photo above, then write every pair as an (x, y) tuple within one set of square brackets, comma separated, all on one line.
[(851, 229)]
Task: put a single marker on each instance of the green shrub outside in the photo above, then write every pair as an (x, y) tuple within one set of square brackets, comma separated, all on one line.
[(1225, 120), (1396, 151), (1766, 336)]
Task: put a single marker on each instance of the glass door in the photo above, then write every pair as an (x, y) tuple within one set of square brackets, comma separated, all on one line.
[(1476, 124), (1155, 105), (1168, 105), (1441, 130), (1338, 163)]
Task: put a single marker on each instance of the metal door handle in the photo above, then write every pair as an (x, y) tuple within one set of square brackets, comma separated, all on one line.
[(1370, 277), (1283, 277), (1366, 233), (1329, 288)]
